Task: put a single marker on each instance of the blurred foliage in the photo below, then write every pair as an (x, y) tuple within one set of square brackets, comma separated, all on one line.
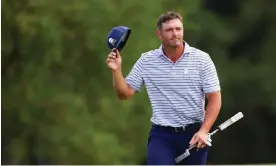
[(58, 103)]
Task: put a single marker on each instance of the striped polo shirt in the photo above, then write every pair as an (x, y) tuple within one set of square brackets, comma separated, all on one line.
[(176, 90)]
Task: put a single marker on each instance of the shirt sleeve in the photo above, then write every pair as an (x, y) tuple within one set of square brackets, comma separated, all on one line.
[(210, 78), (135, 78)]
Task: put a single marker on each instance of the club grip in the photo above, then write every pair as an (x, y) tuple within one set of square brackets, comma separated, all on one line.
[(231, 121)]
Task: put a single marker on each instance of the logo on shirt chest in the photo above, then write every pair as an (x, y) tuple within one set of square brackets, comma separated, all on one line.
[(186, 72)]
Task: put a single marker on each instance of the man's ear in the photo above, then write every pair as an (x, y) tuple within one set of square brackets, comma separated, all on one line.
[(158, 33)]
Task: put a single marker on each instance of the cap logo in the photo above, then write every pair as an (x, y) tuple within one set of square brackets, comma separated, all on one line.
[(111, 41)]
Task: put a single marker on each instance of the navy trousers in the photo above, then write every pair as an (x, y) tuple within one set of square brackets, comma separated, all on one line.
[(165, 144)]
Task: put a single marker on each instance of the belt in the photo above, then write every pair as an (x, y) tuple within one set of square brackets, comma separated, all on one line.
[(180, 129)]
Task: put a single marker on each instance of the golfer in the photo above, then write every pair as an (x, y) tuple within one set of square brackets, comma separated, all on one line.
[(177, 77)]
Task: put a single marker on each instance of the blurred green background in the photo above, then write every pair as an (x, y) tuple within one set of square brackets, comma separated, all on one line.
[(58, 102)]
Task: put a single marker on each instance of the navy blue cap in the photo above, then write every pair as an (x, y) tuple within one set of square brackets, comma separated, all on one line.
[(117, 37)]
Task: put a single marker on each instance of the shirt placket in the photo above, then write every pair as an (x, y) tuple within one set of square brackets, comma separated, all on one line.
[(174, 72)]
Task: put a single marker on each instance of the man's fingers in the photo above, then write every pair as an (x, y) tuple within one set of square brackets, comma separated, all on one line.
[(194, 140), (109, 60), (200, 141), (203, 145), (199, 144), (112, 55), (115, 50)]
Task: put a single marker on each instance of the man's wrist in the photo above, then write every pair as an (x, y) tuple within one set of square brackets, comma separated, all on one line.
[(204, 129), (116, 71)]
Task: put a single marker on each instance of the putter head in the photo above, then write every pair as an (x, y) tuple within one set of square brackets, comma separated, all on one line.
[(182, 156), (117, 37)]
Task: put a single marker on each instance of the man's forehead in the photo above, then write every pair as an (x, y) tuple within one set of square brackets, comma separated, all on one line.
[(172, 23)]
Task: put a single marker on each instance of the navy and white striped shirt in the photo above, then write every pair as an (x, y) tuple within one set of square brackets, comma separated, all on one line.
[(176, 90)]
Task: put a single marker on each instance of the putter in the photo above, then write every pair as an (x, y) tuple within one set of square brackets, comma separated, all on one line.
[(220, 128)]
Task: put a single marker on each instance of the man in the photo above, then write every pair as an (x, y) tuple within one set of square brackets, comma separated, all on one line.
[(177, 78)]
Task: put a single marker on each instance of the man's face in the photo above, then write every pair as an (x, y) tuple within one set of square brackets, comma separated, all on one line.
[(171, 33)]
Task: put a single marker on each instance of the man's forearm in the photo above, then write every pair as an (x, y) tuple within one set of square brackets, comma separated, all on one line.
[(119, 83), (212, 111)]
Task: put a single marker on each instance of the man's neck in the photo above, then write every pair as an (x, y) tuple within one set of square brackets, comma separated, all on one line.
[(174, 53)]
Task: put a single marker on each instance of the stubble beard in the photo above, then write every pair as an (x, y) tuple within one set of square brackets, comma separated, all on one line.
[(174, 44)]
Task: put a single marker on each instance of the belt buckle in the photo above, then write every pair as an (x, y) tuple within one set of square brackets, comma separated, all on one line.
[(176, 129), (184, 128)]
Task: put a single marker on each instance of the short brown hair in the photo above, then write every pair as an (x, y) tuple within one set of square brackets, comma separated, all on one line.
[(167, 16)]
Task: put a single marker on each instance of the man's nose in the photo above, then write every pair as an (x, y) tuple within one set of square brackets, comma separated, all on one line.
[(174, 32)]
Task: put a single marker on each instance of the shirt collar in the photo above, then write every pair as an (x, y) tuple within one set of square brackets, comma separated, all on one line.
[(187, 49)]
